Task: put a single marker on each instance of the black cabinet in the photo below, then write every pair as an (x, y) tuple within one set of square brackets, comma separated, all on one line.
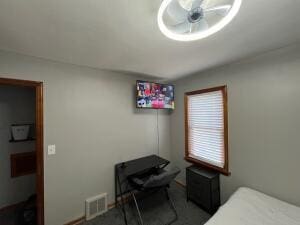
[(203, 188)]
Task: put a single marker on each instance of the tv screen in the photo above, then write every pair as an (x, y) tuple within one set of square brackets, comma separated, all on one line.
[(154, 95)]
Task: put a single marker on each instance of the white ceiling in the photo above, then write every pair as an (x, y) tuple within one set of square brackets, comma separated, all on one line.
[(123, 35)]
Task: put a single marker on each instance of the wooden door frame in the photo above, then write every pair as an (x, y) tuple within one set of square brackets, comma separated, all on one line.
[(39, 121)]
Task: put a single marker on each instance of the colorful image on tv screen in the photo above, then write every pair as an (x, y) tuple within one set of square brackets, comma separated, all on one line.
[(156, 96)]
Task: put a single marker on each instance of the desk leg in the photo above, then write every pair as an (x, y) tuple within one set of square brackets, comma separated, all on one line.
[(122, 200), (116, 188)]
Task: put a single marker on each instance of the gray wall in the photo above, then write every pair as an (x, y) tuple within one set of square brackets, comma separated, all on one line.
[(90, 115), (264, 122), (17, 105)]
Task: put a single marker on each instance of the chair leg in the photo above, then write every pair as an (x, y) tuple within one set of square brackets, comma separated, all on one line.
[(137, 207), (172, 207)]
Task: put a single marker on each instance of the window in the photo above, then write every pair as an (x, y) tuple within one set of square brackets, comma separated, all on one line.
[(206, 128)]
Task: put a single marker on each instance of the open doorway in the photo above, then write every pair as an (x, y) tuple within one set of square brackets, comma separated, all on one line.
[(26, 162)]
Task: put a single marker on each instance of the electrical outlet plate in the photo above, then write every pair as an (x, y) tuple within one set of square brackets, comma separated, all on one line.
[(51, 150)]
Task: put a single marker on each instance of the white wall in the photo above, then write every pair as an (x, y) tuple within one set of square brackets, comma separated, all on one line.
[(264, 122), (90, 116), (17, 105)]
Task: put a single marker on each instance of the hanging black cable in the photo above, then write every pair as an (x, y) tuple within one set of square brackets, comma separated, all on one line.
[(157, 127)]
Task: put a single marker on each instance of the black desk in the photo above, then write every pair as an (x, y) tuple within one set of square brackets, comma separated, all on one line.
[(137, 166)]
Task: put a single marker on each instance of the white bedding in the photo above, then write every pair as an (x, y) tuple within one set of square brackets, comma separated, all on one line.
[(249, 207)]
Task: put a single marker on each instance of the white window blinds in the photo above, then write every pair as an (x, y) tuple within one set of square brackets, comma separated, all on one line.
[(206, 127)]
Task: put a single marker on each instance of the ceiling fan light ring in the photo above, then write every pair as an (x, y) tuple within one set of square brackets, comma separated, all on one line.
[(199, 35)]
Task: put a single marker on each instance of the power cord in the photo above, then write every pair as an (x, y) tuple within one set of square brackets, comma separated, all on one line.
[(157, 127)]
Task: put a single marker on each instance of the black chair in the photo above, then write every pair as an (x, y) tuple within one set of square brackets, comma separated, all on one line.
[(157, 180)]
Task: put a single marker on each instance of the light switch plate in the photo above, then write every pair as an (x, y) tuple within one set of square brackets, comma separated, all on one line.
[(51, 150)]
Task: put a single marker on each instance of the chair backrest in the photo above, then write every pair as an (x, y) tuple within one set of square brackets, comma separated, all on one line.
[(162, 179)]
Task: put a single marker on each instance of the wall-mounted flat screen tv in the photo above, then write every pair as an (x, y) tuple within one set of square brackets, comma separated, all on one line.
[(154, 95)]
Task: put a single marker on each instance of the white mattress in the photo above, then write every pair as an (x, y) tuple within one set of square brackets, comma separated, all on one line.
[(249, 207)]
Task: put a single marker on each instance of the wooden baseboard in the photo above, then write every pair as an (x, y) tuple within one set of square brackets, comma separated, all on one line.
[(180, 183), (113, 205), (127, 198), (109, 206)]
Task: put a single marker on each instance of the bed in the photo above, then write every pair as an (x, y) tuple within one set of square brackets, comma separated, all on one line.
[(249, 207)]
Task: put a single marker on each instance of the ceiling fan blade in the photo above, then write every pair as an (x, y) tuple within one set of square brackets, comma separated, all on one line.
[(212, 3), (221, 10), (199, 26), (196, 4), (176, 12), (181, 27), (190, 4)]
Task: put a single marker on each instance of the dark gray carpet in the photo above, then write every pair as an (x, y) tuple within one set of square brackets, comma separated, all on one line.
[(156, 211)]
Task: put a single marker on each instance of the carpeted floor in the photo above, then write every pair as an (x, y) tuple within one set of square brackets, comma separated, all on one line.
[(156, 211)]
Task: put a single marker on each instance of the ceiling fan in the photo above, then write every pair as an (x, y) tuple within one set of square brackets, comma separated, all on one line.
[(188, 20)]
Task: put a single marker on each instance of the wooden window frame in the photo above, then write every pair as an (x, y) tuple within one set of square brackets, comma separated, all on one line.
[(225, 169)]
